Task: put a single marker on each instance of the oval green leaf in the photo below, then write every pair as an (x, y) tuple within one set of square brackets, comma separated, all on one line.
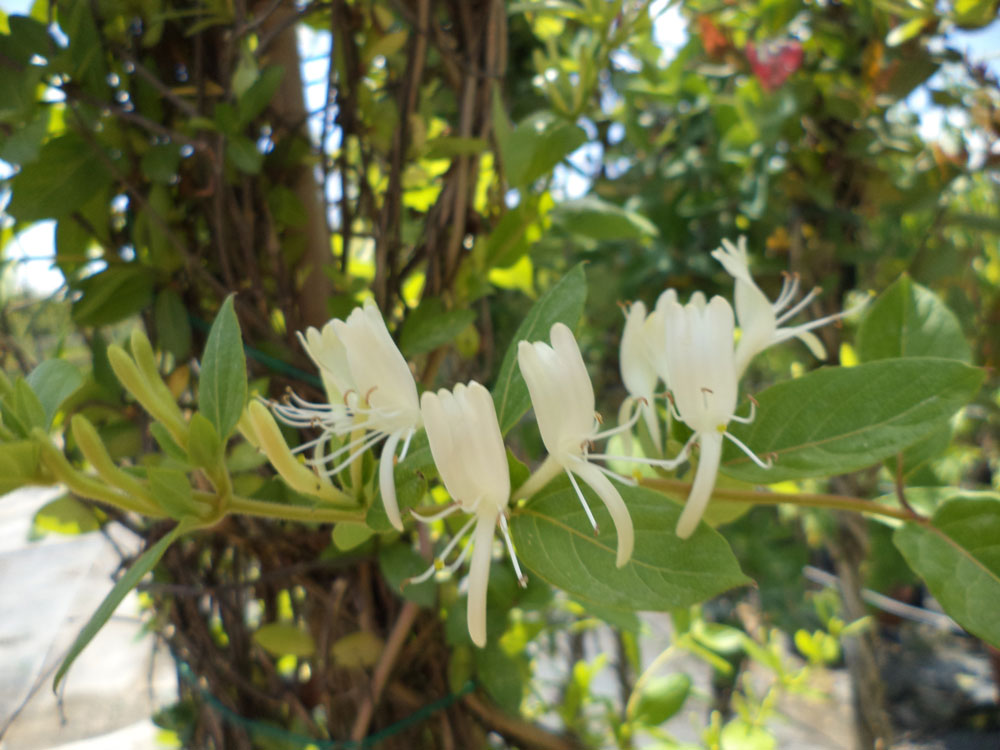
[(958, 556), (53, 381), (908, 320), (280, 639), (555, 541), (840, 419), (222, 389)]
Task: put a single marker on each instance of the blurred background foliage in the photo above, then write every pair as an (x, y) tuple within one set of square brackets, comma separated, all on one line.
[(453, 159)]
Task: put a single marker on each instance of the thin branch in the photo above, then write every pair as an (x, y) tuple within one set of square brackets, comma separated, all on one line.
[(383, 669), (805, 499)]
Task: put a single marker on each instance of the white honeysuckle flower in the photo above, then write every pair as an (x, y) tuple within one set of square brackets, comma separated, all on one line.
[(468, 450), (760, 318), (563, 399), (330, 356), (655, 334), (704, 381), (373, 397), (638, 372)]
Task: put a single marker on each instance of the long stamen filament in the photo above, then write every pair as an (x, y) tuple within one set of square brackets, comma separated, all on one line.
[(522, 579), (792, 311), (665, 463), (406, 444), (753, 457), (615, 475), (620, 428), (376, 437), (436, 516), (789, 288), (439, 565), (369, 438), (583, 502), (747, 419), (456, 539)]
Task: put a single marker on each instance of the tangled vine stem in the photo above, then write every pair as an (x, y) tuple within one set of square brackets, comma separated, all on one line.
[(805, 499)]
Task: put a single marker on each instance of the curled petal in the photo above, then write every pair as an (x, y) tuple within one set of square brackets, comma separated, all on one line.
[(479, 576), (387, 480), (704, 483), (615, 505)]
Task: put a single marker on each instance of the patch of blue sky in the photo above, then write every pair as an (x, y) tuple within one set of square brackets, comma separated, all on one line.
[(574, 180)]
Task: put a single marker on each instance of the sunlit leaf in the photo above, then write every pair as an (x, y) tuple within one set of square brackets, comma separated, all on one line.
[(555, 541)]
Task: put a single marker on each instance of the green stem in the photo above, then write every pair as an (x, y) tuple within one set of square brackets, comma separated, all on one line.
[(658, 662), (805, 499), (288, 512), (544, 474)]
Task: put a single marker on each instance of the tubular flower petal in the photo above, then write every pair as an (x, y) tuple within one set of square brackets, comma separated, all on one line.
[(759, 317), (704, 380), (373, 397), (563, 399), (469, 453), (639, 375)]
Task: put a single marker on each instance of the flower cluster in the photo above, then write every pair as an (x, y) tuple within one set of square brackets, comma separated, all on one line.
[(373, 398), (692, 349)]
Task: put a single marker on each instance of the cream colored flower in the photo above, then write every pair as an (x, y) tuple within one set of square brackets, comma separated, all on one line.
[(563, 399), (759, 318), (471, 459), (371, 392), (704, 379)]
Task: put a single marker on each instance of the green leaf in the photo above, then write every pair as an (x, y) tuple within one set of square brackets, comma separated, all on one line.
[(347, 535), (28, 37), (113, 295), (222, 388), (84, 58), (970, 14), (167, 443), (908, 320), (958, 556), (160, 162), (204, 445), (555, 541), (172, 492), (739, 734), (840, 419), (53, 381), (18, 464), (904, 32), (399, 562), (535, 146), (173, 327), (507, 242), (563, 303), (244, 154), (431, 326), (146, 562), (25, 143), (65, 515), (500, 675), (661, 698), (280, 639), (28, 408), (65, 175), (259, 95), (600, 220)]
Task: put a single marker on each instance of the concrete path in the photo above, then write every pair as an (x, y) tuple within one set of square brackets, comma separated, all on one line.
[(48, 590)]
